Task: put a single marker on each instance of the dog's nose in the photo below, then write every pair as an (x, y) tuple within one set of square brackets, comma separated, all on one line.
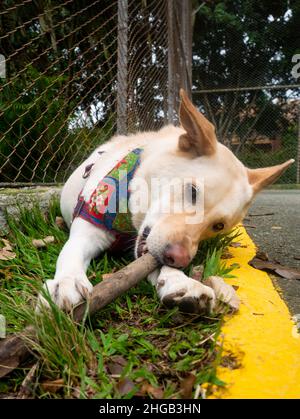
[(176, 255)]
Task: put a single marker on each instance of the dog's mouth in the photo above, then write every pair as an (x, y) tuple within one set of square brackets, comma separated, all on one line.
[(142, 246)]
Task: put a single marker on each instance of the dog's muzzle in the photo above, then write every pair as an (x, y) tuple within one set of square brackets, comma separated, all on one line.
[(176, 256)]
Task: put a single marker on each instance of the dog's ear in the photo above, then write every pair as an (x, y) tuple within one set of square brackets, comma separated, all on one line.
[(200, 133), (260, 178)]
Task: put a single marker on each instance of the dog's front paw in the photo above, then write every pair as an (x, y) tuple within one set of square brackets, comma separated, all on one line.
[(177, 289), (65, 292)]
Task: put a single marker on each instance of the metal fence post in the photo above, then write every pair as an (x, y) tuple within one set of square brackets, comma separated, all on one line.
[(179, 52), (186, 36), (122, 77), (171, 63)]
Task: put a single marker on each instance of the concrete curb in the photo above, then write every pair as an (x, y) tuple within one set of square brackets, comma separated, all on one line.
[(261, 355), (11, 199)]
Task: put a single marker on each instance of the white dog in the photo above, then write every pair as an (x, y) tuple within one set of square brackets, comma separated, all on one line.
[(188, 152)]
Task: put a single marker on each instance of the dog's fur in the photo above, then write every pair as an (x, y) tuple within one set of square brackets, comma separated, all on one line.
[(191, 151)]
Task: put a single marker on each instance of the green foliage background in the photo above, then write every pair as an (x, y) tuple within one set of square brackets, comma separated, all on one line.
[(62, 65)]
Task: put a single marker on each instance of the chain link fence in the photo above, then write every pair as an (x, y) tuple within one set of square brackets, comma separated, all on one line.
[(75, 72), (245, 78), (259, 124)]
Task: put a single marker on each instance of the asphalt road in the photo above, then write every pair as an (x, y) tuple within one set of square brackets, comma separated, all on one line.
[(278, 235)]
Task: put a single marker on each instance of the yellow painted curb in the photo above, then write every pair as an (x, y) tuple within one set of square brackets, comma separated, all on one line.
[(261, 345)]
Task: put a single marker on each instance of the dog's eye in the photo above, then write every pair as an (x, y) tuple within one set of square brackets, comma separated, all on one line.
[(192, 192), (218, 226)]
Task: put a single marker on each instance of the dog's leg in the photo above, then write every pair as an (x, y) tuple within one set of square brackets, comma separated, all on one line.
[(70, 284), (175, 288)]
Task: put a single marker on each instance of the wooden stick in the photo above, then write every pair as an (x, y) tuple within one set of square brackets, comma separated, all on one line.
[(14, 350), (118, 283)]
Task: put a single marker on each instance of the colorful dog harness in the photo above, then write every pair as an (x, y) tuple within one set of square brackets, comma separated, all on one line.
[(107, 207)]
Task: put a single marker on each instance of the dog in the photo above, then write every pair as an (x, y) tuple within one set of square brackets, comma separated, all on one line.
[(191, 152)]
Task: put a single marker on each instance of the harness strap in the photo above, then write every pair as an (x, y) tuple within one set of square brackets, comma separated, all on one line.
[(105, 207)]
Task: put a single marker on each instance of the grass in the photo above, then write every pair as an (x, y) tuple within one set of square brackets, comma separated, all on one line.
[(283, 186), (133, 347)]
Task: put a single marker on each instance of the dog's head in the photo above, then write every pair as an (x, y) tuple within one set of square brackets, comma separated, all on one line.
[(217, 181)]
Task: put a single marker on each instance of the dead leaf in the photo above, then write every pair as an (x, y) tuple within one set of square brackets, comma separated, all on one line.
[(124, 386), (262, 264), (77, 392), (40, 243), (274, 267), (155, 392), (53, 386), (226, 255), (237, 244), (6, 252), (288, 273), (116, 365), (59, 221), (187, 385), (261, 255), (15, 354), (90, 392), (27, 387)]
